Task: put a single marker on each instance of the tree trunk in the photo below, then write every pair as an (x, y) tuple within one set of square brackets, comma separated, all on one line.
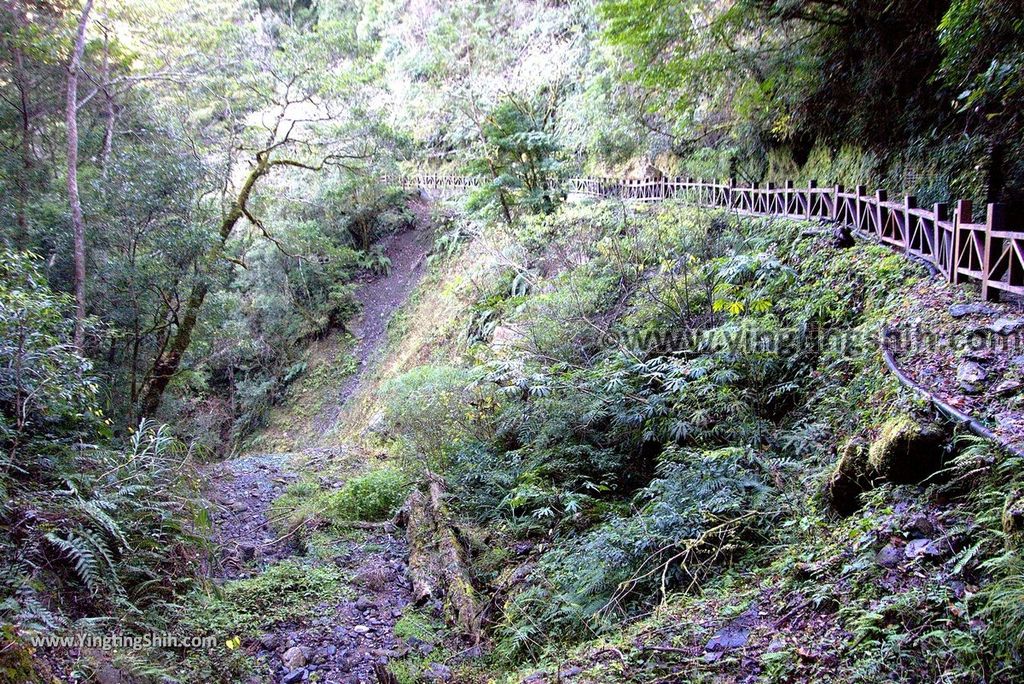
[(505, 211), (77, 222), (21, 80), (111, 109), (167, 363), (437, 561)]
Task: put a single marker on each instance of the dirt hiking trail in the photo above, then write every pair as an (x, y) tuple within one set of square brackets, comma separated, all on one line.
[(343, 640)]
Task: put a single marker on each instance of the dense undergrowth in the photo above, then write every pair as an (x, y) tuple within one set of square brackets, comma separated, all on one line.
[(639, 412), (94, 530), (103, 525), (643, 412)]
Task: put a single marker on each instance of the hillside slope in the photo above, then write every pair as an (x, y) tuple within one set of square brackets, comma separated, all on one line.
[(677, 455)]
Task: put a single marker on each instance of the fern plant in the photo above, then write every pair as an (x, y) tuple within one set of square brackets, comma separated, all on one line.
[(124, 530)]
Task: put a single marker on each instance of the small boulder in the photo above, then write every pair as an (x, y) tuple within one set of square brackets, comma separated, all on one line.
[(906, 452), (850, 478), (889, 556), (921, 548), (1006, 388), (728, 638), (377, 426), (920, 525), (438, 673), (842, 237), (294, 676), (980, 354), (106, 673), (970, 375), (731, 636), (295, 657), (971, 309), (1006, 326)]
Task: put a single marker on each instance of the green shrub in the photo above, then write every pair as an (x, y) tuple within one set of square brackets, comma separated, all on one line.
[(283, 591), (694, 514), (1002, 607), (92, 528), (522, 159), (377, 495), (434, 409), (47, 391), (374, 496), (418, 624), (301, 502)]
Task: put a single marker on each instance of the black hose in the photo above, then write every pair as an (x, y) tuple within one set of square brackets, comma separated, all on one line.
[(954, 414), (950, 412)]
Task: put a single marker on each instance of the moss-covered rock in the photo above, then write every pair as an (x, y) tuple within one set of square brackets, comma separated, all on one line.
[(907, 451), (851, 477), (17, 661), (1013, 520)]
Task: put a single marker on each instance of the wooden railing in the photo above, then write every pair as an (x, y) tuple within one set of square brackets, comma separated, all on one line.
[(990, 253), (453, 184)]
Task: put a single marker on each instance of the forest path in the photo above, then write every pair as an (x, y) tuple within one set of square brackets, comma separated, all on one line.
[(339, 640), (379, 298)]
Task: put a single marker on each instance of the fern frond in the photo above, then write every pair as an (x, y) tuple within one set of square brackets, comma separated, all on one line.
[(79, 551)]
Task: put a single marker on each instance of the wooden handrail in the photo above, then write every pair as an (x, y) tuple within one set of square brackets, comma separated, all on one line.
[(989, 253)]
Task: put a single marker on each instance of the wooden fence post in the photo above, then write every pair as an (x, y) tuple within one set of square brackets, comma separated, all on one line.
[(941, 211), (880, 196), (994, 220), (858, 218), (1014, 265), (962, 215), (836, 199), (787, 198), (811, 185), (909, 202)]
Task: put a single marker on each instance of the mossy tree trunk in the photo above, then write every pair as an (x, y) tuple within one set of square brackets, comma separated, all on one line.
[(437, 560), (167, 362)]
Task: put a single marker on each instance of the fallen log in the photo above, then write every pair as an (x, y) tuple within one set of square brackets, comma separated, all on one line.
[(437, 559)]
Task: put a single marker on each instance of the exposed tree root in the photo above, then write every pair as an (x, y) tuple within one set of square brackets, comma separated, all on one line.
[(384, 675)]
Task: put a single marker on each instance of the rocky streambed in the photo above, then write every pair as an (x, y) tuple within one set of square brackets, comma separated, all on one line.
[(342, 640)]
